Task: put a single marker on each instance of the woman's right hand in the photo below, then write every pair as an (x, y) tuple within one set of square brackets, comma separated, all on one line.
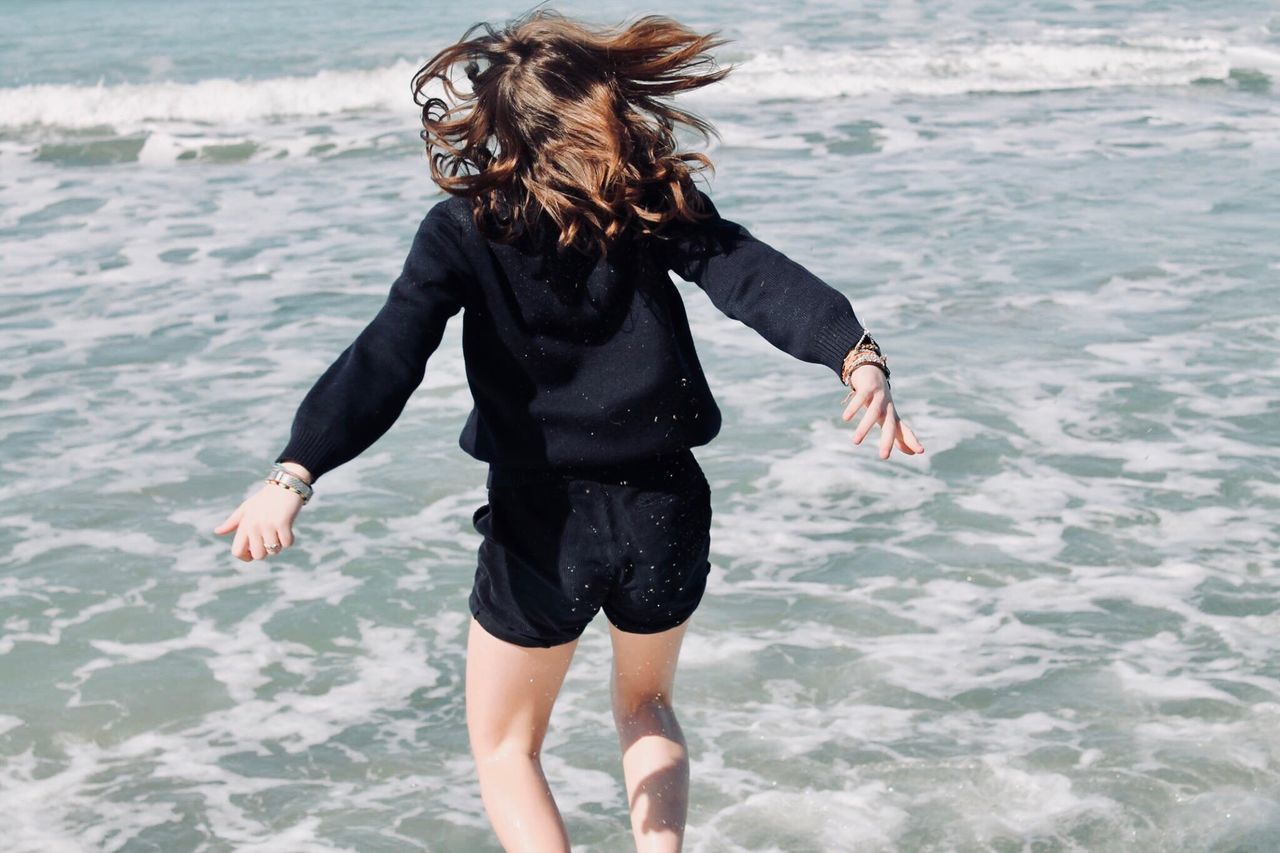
[(263, 519)]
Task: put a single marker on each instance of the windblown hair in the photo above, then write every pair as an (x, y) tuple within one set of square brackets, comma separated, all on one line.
[(567, 122)]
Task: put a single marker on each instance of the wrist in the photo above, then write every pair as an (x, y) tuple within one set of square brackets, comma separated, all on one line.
[(283, 475), (865, 351), (302, 497), (879, 369), (297, 470)]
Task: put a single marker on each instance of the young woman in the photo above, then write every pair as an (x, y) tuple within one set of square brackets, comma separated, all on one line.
[(567, 206)]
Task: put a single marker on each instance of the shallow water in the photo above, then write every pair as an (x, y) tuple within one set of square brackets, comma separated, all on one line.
[(1054, 631)]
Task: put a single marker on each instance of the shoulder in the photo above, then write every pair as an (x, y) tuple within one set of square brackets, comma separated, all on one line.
[(701, 219), (703, 229), (442, 238), (447, 227), (700, 201), (452, 211)]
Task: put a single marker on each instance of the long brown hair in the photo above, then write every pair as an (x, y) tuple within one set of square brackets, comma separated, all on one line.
[(575, 114)]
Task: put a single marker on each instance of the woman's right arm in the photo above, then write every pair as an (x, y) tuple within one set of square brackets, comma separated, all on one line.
[(363, 392)]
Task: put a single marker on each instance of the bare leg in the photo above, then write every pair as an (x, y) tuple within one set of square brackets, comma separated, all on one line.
[(655, 759), (510, 690)]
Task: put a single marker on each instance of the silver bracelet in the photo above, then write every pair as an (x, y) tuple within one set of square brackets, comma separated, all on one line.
[(281, 476)]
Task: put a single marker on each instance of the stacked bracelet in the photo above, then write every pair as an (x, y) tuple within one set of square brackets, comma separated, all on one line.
[(865, 351), (281, 477)]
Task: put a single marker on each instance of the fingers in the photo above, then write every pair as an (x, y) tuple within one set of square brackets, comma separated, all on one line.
[(888, 430), (252, 540), (875, 411), (255, 545), (896, 432), (910, 438), (857, 400), (240, 545), (880, 409), (902, 442), (231, 522)]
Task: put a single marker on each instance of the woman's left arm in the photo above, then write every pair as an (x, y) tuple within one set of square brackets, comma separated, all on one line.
[(786, 304)]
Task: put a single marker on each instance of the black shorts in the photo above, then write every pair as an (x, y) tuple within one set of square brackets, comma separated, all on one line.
[(560, 544)]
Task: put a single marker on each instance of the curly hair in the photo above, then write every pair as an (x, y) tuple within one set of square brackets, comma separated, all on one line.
[(567, 121)]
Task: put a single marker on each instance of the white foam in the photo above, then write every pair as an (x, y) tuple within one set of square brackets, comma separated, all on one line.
[(907, 68), (1007, 798), (821, 818), (998, 66), (212, 101)]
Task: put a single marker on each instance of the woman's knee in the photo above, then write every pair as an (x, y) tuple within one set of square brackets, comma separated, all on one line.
[(647, 712), (640, 691), (504, 752), (644, 670)]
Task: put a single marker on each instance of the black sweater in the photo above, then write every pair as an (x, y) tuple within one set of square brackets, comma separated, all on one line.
[(571, 360)]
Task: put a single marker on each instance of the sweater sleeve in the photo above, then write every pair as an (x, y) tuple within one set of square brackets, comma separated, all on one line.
[(761, 287), (363, 392)]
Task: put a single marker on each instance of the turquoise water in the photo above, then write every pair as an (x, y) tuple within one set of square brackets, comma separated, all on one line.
[(1055, 631)]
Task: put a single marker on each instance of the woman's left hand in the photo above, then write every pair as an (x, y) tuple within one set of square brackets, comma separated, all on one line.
[(870, 389)]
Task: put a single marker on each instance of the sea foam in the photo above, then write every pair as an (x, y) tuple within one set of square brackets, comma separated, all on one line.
[(951, 68)]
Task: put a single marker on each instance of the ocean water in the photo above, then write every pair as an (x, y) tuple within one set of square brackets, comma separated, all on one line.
[(1055, 631)]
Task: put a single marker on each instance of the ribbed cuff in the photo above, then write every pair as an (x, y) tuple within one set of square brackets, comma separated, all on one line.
[(835, 340), (311, 450)]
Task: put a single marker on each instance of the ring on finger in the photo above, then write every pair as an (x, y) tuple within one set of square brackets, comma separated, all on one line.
[(272, 547)]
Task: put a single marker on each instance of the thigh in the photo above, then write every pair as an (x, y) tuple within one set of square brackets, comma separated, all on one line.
[(667, 527), (510, 691), (644, 667)]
